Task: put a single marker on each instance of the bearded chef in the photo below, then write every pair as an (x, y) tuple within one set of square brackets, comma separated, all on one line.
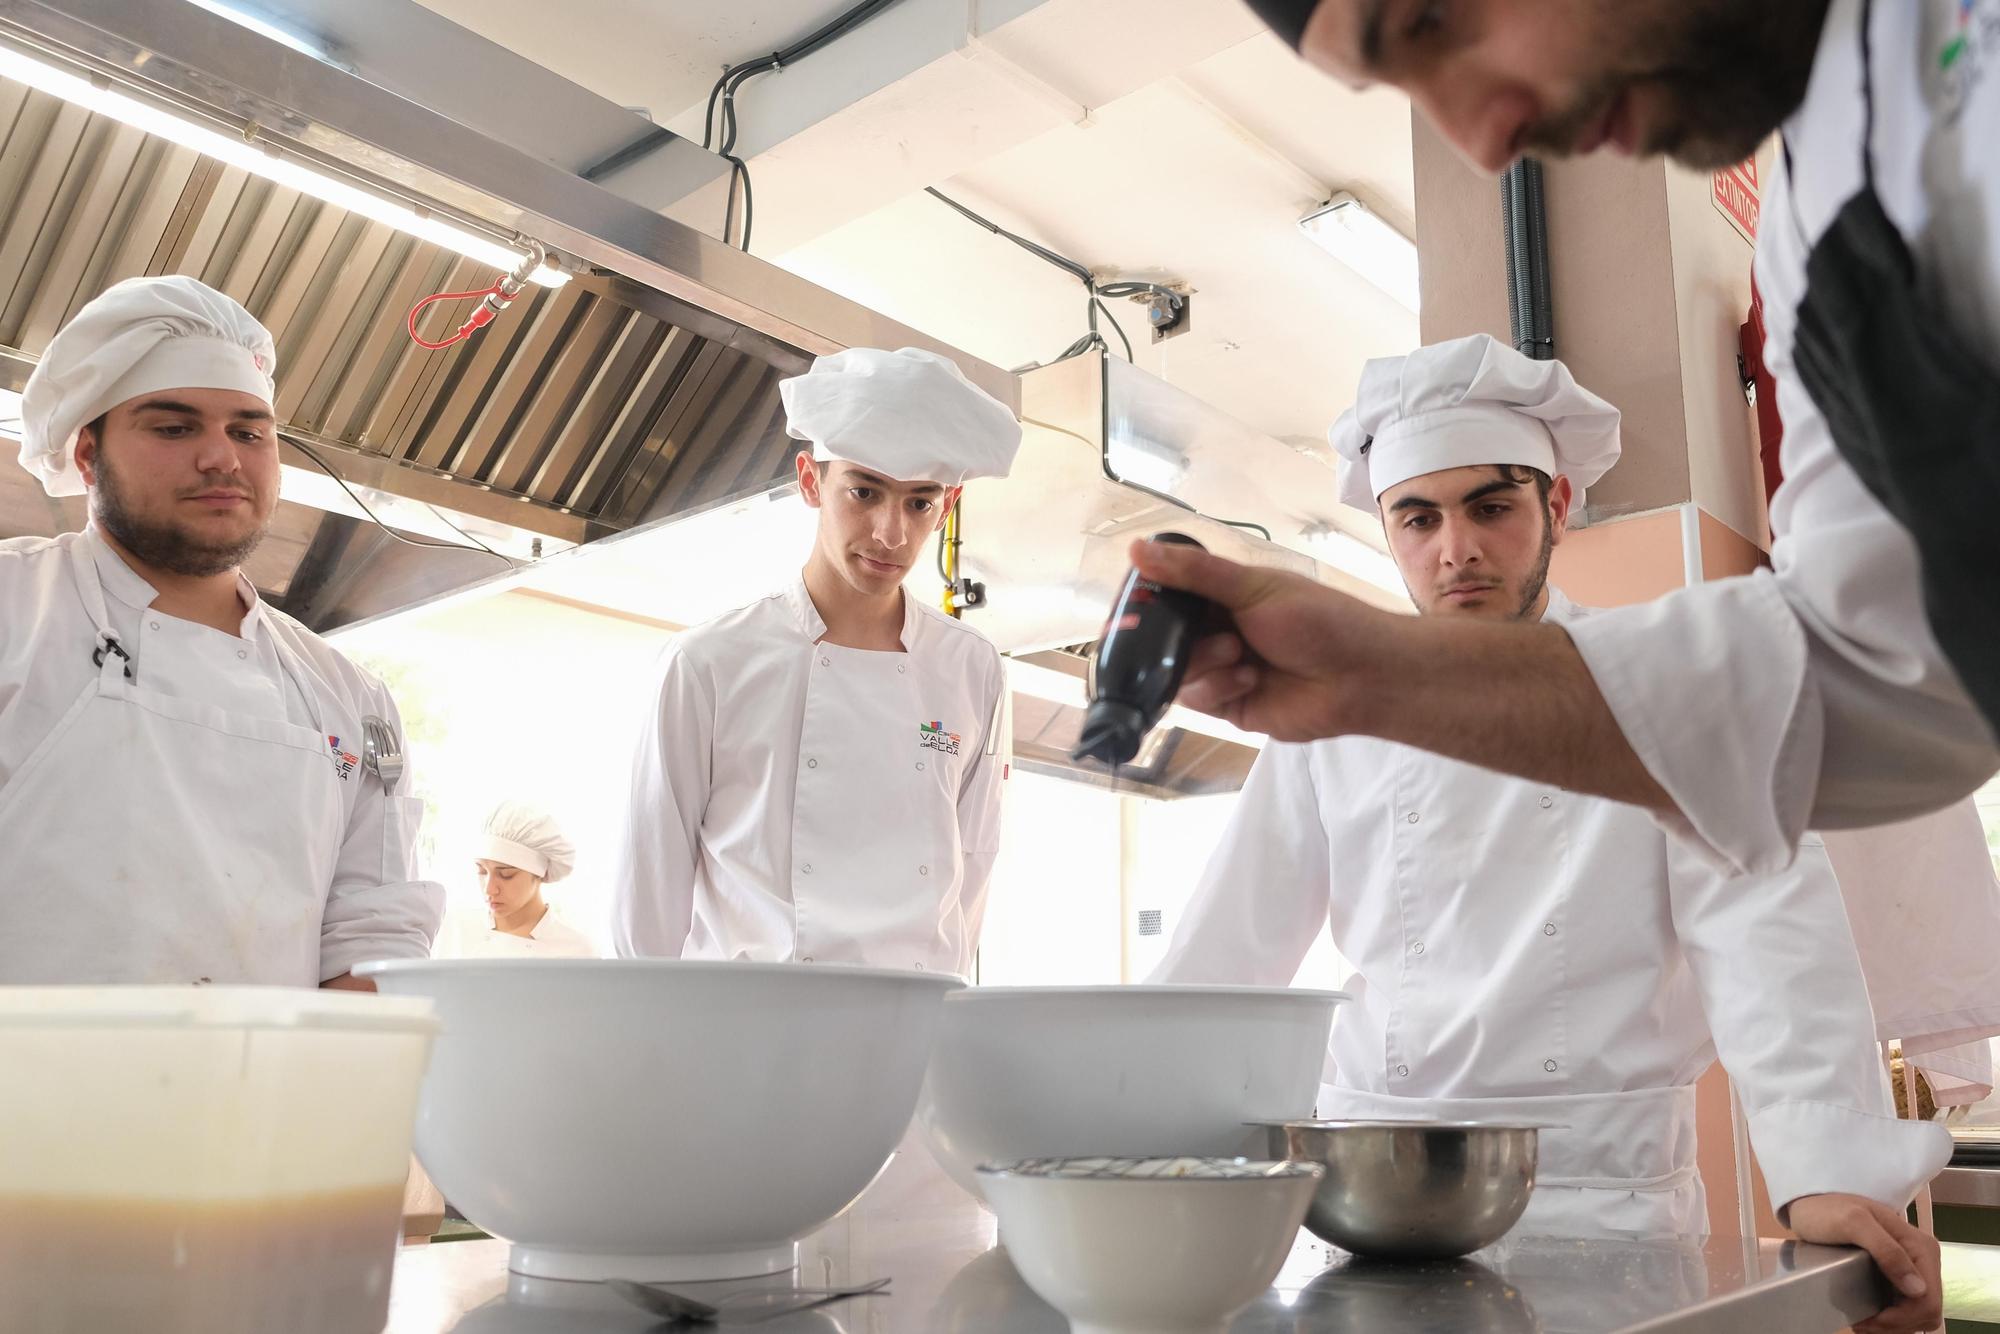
[(183, 796), (818, 775), (1525, 953)]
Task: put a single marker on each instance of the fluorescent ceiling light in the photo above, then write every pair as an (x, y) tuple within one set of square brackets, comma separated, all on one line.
[(10, 414), (267, 162), (1356, 236)]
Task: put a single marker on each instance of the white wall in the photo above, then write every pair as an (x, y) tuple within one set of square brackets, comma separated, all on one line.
[(1053, 916)]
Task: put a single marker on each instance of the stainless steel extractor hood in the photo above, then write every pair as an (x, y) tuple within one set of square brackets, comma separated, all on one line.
[(641, 392), (605, 439)]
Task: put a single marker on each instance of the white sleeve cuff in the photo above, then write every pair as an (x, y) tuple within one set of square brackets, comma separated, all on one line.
[(380, 922), (1819, 1148)]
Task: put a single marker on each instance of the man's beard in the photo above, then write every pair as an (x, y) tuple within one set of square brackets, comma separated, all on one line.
[(1538, 578), (1732, 73), (163, 545)]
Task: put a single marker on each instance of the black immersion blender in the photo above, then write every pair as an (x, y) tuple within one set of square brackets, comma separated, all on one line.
[(1140, 661)]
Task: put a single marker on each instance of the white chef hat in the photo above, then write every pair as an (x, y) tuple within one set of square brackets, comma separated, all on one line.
[(140, 337), (527, 837), (910, 415), (1467, 403)]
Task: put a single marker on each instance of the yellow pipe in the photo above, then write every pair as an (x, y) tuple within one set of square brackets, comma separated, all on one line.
[(950, 539)]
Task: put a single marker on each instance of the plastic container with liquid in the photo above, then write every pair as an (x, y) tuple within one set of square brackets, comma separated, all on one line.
[(203, 1160)]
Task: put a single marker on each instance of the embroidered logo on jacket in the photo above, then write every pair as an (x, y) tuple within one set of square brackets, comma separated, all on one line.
[(932, 736), (344, 761), (1969, 48)]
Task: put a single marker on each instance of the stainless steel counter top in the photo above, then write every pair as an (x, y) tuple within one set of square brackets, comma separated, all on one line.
[(938, 1247), (1978, 1187)]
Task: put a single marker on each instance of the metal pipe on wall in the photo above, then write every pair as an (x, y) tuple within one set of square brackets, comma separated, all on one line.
[(1525, 225)]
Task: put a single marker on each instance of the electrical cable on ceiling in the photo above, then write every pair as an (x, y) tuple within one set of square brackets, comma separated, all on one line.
[(1041, 252), (722, 95), (632, 152), (1119, 328), (739, 172), (1092, 339), (1246, 524), (492, 301), (326, 468), (718, 130)]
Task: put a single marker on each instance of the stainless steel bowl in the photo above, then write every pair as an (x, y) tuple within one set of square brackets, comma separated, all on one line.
[(1412, 1190)]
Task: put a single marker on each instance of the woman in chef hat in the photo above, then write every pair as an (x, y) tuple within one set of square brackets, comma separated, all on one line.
[(521, 849)]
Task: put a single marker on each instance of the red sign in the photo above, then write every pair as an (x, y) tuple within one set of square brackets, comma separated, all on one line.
[(1737, 196)]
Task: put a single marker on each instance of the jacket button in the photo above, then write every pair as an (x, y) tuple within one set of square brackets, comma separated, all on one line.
[(1548, 928), (1416, 947), (812, 764), (156, 625), (901, 668), (242, 653), (1403, 1070), (923, 870), (1548, 802), (1412, 817), (1549, 1066), (919, 967), (807, 869), (807, 959), (920, 765)]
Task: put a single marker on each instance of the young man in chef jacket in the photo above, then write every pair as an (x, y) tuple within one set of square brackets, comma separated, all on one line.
[(182, 791), (1521, 952), (1857, 682), (818, 776)]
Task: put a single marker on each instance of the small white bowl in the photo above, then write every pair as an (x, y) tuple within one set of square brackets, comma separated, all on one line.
[(1149, 1245), (1151, 1071)]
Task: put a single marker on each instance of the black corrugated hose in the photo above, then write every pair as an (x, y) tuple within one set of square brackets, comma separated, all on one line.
[(1525, 225)]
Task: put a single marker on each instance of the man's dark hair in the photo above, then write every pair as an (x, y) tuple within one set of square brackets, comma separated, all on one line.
[(1519, 474), (96, 427)]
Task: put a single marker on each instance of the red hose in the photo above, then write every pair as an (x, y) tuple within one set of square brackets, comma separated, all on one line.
[(481, 316)]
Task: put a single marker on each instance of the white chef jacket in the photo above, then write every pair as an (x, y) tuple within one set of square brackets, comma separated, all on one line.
[(374, 906), (473, 936), (795, 800), (1512, 941), (1814, 695)]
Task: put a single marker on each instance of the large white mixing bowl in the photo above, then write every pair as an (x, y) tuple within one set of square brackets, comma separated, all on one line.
[(1132, 1072), (663, 1120)]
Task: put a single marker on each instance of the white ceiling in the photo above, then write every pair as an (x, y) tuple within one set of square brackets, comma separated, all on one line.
[(659, 54), (1206, 149)]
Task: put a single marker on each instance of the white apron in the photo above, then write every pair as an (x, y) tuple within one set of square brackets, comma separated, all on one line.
[(875, 831), (155, 839), (1611, 1162)]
